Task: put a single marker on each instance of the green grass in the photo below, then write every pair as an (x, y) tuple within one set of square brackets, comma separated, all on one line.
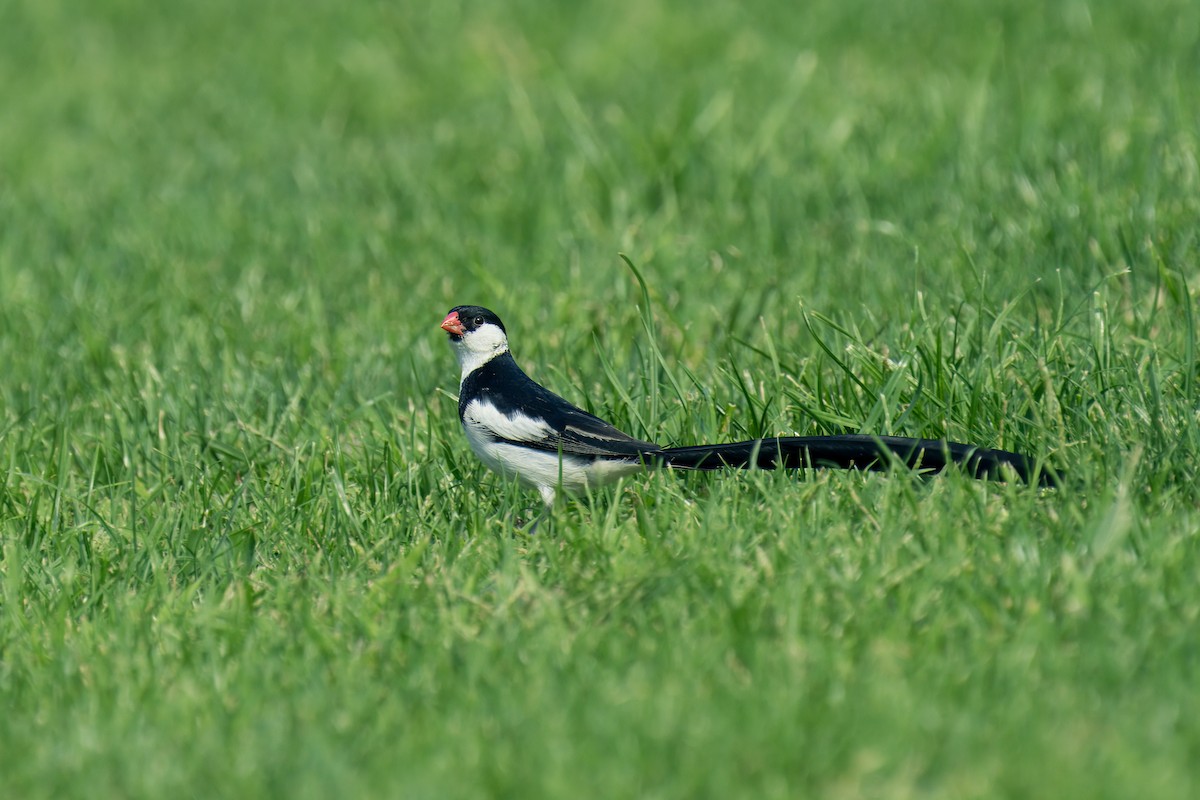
[(246, 551)]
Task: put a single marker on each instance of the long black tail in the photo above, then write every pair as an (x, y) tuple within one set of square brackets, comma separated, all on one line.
[(853, 451)]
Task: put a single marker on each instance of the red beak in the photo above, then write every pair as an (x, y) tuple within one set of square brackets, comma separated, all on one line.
[(452, 324)]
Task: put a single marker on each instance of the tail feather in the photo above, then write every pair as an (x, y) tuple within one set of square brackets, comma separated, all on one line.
[(854, 451)]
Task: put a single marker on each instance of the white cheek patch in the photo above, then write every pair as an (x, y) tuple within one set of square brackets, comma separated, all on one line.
[(487, 338), (479, 346), (485, 417)]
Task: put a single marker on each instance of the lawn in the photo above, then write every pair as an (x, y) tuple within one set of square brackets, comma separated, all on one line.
[(246, 551)]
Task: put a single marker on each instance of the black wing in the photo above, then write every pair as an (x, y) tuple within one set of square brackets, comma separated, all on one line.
[(503, 384)]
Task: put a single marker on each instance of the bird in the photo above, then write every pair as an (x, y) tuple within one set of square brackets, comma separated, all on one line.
[(523, 431)]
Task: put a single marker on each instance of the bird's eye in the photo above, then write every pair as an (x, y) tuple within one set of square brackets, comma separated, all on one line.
[(478, 321)]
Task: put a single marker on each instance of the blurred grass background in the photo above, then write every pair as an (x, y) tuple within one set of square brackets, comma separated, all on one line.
[(247, 552)]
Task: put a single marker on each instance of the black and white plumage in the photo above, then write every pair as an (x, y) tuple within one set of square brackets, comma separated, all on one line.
[(522, 430)]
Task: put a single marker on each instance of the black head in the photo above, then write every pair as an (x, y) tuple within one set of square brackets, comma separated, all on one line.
[(465, 319)]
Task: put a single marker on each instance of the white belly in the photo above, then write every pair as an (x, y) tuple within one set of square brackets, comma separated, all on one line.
[(538, 469)]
